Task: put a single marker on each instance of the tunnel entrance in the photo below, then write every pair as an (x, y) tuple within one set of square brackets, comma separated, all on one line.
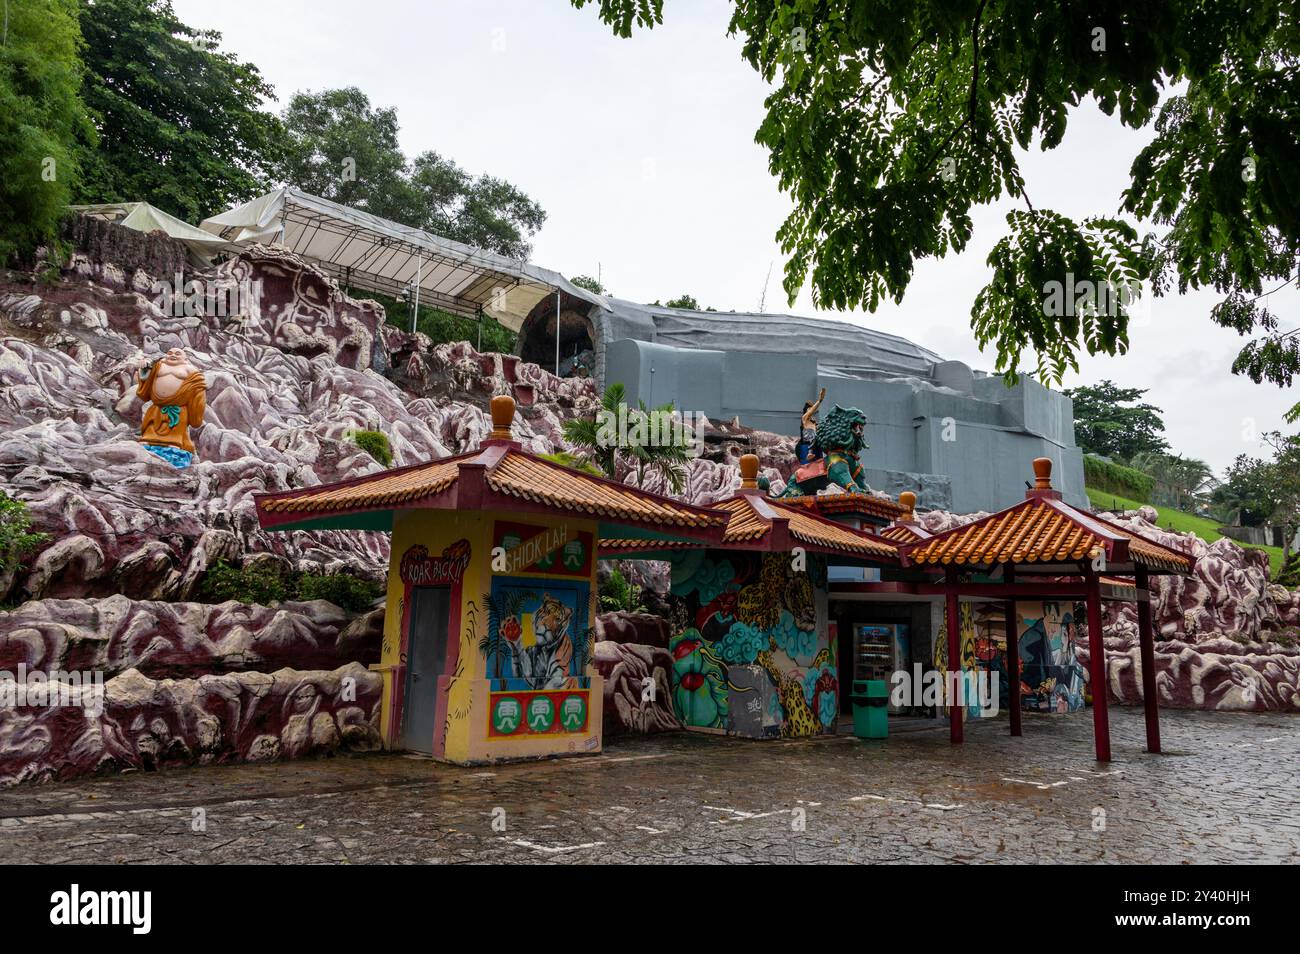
[(577, 348)]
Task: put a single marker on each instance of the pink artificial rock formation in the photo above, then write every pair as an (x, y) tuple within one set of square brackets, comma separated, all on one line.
[(160, 639), (1216, 673), (628, 671), (146, 724), (289, 377)]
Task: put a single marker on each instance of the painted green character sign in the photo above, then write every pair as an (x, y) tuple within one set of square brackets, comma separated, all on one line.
[(575, 556), (573, 713), (505, 715), (541, 714), (518, 715)]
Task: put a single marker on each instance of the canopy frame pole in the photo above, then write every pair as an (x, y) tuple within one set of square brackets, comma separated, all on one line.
[(480, 328), (557, 332), (1097, 663), (1146, 641), (419, 274), (1013, 652), (953, 621)]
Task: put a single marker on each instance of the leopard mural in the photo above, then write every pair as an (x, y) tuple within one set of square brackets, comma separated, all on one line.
[(751, 659)]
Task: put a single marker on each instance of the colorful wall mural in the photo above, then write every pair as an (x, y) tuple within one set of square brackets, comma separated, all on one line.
[(1051, 675), (537, 635), (751, 654)]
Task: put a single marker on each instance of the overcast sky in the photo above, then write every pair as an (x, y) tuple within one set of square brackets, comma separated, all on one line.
[(642, 153)]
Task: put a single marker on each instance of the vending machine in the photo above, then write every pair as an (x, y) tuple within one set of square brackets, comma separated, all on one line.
[(880, 650)]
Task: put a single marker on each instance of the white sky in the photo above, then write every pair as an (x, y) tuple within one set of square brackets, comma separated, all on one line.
[(642, 153)]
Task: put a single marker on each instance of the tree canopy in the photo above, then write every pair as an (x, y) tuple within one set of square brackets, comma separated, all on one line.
[(888, 121), (1267, 490), (41, 117), (342, 148), (589, 283), (179, 124), (1111, 421)]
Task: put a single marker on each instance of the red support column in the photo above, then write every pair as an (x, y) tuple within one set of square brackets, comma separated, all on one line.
[(1013, 653), (954, 660), (1147, 642), (1097, 663)]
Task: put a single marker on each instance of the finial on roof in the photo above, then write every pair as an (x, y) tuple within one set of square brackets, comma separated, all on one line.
[(1042, 473), (907, 500), (503, 416), (748, 471)]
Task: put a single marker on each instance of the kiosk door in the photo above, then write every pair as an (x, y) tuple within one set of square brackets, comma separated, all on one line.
[(426, 653)]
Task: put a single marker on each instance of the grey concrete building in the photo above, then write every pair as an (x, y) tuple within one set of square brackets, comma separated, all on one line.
[(961, 438)]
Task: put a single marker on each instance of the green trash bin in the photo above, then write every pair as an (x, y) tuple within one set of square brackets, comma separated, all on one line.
[(870, 708)]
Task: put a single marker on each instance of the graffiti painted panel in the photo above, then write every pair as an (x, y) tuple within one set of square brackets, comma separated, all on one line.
[(418, 568), (1051, 676), (744, 617), (555, 551)]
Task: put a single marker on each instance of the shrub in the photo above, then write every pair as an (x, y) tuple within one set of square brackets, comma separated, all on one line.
[(1117, 479), (16, 536), (573, 462), (224, 582), (350, 592), (616, 594), (375, 443)]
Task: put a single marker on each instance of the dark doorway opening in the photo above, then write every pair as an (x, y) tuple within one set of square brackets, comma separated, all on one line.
[(577, 350)]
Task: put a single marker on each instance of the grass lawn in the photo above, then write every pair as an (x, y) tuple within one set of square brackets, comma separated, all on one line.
[(1207, 530)]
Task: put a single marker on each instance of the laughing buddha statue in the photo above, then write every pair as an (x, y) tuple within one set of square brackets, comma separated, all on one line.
[(178, 396)]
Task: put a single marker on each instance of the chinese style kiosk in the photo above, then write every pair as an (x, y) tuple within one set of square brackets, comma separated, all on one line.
[(491, 591), (754, 651)]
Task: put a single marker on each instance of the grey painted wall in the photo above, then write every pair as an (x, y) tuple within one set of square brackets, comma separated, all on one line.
[(963, 442)]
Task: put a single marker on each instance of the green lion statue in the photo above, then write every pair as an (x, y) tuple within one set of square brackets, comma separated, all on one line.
[(835, 452)]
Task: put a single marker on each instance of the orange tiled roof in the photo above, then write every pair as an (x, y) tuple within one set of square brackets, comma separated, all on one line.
[(391, 487), (613, 544), (902, 533), (827, 533), (522, 475), (748, 523), (508, 471), (743, 521), (847, 503), (1040, 530)]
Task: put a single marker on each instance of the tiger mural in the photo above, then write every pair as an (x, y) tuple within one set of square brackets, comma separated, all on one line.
[(546, 663)]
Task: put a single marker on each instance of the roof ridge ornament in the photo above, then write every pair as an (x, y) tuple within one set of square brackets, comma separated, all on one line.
[(503, 418), (749, 472), (1042, 488)]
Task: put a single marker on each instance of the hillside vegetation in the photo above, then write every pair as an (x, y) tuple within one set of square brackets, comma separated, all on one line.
[(1170, 519)]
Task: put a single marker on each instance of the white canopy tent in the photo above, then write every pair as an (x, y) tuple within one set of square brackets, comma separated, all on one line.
[(143, 217), (365, 251)]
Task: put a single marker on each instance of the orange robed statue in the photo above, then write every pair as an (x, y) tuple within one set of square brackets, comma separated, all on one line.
[(178, 396)]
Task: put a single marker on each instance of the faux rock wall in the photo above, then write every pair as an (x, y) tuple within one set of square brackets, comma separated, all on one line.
[(146, 723), (638, 688), (1212, 674), (289, 377), (160, 639)]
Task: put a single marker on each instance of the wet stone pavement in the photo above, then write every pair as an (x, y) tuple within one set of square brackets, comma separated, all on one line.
[(1226, 790)]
